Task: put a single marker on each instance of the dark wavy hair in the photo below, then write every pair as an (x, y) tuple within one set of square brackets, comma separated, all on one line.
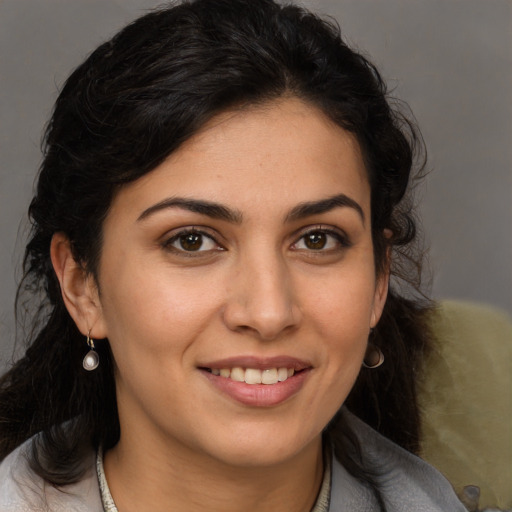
[(134, 101)]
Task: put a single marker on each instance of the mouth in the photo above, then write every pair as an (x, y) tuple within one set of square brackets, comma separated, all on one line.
[(253, 376), (258, 382)]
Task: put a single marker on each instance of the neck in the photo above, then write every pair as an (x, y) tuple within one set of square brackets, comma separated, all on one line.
[(142, 476)]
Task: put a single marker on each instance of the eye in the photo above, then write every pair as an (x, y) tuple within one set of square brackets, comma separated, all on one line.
[(192, 241), (321, 240)]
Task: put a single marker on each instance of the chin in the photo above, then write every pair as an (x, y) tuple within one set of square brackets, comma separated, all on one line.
[(264, 448)]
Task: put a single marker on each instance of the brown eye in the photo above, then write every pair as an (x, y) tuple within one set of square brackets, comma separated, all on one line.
[(315, 241), (191, 241), (321, 240)]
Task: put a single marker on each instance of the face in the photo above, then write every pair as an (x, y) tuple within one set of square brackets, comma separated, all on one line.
[(237, 286)]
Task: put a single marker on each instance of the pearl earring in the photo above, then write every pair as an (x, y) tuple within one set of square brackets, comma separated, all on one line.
[(91, 359)]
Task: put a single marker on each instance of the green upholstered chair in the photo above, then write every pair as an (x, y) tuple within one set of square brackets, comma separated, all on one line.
[(465, 395)]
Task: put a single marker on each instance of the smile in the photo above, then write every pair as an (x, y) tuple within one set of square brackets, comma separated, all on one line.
[(257, 381), (254, 375)]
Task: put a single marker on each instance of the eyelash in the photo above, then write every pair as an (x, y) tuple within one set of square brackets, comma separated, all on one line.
[(168, 243), (340, 238)]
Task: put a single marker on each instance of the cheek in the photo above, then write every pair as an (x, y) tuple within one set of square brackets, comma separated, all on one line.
[(342, 303), (147, 314), (153, 327), (341, 333), (340, 313)]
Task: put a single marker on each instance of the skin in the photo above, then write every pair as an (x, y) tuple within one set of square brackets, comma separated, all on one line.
[(255, 288)]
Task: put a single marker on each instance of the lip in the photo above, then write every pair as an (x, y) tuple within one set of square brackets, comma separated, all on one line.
[(258, 395)]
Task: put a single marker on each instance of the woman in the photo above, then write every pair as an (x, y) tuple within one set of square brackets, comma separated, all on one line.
[(220, 207)]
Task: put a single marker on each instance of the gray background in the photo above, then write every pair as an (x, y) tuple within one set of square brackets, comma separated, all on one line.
[(451, 60)]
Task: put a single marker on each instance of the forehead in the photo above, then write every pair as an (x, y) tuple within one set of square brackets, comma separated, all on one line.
[(282, 152)]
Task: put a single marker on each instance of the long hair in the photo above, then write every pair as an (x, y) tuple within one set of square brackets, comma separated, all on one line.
[(135, 100)]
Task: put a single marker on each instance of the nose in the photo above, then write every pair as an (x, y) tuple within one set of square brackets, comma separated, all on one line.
[(261, 299)]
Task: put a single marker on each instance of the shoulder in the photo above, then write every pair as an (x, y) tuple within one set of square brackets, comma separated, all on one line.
[(405, 481), (22, 490)]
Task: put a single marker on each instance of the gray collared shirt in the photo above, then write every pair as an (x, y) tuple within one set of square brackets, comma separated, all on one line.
[(406, 482)]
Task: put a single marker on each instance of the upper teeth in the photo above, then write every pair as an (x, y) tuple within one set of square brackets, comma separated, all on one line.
[(254, 375)]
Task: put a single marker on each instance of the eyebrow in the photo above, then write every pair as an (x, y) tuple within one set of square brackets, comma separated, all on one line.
[(208, 208), (310, 208), (218, 211)]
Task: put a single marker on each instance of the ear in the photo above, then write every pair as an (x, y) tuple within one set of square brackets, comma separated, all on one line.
[(382, 285), (379, 298), (78, 287)]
